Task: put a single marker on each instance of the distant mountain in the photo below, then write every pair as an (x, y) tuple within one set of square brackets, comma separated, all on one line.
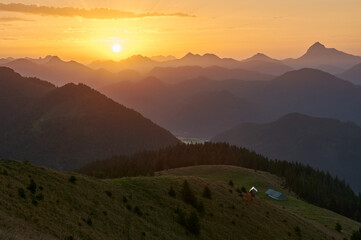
[(65, 127), (307, 91), (137, 62), (143, 64), (6, 60), (59, 72), (323, 143), (353, 74), (318, 56), (161, 58), (178, 74)]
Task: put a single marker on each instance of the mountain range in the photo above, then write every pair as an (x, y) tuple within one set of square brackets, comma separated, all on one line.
[(307, 91), (322, 143), (65, 127), (59, 72)]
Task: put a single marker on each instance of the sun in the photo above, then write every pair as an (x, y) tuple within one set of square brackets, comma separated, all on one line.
[(116, 48)]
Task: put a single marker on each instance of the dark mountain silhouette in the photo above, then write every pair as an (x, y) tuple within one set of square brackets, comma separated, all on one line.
[(178, 74), (65, 127), (60, 72), (318, 56), (16, 93), (353, 74), (323, 143)]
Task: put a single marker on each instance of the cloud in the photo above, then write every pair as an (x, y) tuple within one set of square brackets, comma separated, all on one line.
[(93, 13), (13, 19)]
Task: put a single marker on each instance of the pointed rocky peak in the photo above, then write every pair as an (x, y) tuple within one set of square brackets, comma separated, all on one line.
[(210, 56), (54, 59), (190, 55), (316, 47)]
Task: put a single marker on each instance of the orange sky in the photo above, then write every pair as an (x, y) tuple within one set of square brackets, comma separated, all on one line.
[(229, 28)]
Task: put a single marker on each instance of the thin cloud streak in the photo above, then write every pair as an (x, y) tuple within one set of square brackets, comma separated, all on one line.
[(93, 13), (13, 19)]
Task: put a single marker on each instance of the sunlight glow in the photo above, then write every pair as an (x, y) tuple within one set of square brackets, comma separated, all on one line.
[(116, 48)]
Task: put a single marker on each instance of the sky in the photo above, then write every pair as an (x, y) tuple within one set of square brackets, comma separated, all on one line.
[(86, 30)]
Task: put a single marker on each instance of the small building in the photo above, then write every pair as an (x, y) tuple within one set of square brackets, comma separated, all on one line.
[(253, 190), (275, 195)]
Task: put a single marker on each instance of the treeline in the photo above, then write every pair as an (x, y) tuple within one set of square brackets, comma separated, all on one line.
[(314, 186)]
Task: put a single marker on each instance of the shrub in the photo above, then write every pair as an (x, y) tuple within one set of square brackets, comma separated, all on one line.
[(356, 235), (32, 186), (297, 231), (181, 219), (69, 238), (338, 227), (138, 211), (171, 192), (207, 193), (193, 224), (243, 189), (40, 196), (72, 179), (188, 195), (129, 207), (125, 200), (21, 193), (200, 208), (89, 221), (230, 183), (4, 172), (109, 193), (34, 202)]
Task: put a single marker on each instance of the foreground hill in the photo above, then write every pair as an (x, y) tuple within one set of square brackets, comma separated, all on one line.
[(323, 143), (38, 203), (63, 128), (321, 218)]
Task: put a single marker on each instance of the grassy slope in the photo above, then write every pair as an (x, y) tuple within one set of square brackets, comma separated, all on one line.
[(323, 219), (66, 208)]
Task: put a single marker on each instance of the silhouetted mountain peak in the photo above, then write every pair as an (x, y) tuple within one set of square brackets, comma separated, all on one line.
[(211, 55), (54, 59), (316, 46), (190, 55)]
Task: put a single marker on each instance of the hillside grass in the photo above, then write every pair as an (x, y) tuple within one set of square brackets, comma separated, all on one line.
[(73, 206), (321, 218)]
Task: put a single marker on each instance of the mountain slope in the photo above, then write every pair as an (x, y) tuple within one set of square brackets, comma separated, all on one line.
[(74, 124), (322, 143), (178, 74), (17, 92), (325, 58), (54, 207), (353, 74), (321, 218)]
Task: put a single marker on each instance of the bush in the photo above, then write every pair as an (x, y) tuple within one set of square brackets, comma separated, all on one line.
[(200, 208), (108, 193), (193, 224), (338, 227), (72, 179), (138, 211), (32, 186), (230, 183), (129, 207), (40, 196), (21, 193), (34, 202), (356, 235), (69, 238), (188, 195), (171, 192), (207, 193), (89, 221), (125, 199), (243, 189), (297, 231)]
